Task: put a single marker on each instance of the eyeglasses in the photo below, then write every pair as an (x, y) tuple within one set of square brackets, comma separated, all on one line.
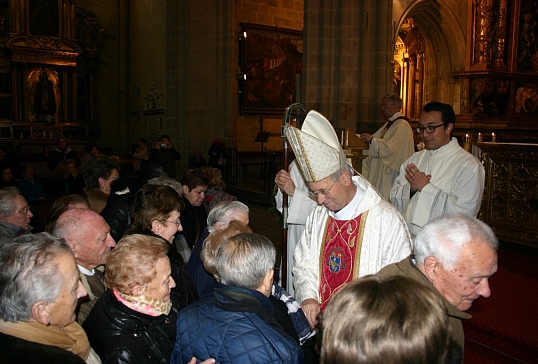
[(177, 222), (324, 193), (24, 210), (429, 129)]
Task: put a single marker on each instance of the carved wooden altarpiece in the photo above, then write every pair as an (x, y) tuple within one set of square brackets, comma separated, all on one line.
[(499, 88), (48, 52)]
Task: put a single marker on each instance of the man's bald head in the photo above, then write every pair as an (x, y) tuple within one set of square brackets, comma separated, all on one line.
[(88, 234)]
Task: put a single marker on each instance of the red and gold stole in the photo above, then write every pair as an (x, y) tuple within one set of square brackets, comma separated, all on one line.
[(340, 255)]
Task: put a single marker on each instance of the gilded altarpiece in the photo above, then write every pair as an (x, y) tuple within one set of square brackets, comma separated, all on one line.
[(499, 88), (48, 52)]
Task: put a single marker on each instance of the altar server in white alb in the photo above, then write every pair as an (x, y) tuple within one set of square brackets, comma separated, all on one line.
[(388, 148), (351, 233), (443, 178)]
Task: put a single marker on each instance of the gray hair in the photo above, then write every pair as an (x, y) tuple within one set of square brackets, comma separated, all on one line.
[(245, 259), (338, 173), (7, 201), (446, 237), (167, 181), (394, 100), (29, 274), (222, 213)]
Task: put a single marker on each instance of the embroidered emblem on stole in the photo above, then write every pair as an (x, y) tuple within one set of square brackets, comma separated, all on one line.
[(340, 255)]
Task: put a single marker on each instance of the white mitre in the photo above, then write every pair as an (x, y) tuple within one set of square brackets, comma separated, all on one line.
[(316, 147)]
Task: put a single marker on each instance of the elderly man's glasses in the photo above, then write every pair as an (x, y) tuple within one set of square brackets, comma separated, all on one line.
[(324, 193), (24, 210), (429, 129), (177, 222)]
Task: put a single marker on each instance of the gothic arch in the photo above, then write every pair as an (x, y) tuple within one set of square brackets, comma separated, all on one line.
[(445, 42)]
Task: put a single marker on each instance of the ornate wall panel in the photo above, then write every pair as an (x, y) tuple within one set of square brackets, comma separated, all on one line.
[(510, 203)]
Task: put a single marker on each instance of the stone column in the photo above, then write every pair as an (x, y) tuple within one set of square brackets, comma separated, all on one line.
[(347, 60)]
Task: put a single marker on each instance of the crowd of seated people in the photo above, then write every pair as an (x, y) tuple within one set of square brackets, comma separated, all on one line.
[(144, 269)]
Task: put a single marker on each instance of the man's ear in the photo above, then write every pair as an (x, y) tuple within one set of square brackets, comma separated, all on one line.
[(346, 177), (268, 281), (449, 128), (431, 267), (40, 312)]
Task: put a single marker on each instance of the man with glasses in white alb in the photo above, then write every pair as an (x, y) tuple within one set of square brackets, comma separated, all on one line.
[(442, 179), (15, 215), (351, 233)]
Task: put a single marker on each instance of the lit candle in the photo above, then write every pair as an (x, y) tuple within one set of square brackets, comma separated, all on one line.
[(466, 138), (493, 139), (479, 137)]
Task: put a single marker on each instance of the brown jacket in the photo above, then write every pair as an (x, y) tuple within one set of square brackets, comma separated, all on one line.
[(406, 267), (95, 285)]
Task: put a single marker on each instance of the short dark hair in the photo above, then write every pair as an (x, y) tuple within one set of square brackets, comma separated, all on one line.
[(98, 167), (194, 178), (165, 136), (144, 140), (448, 116), (154, 202)]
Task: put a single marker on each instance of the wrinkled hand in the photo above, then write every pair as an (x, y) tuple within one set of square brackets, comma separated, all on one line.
[(417, 179), (284, 182), (365, 137), (208, 361), (310, 308)]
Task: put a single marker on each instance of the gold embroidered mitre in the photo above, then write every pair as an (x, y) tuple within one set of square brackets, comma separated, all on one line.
[(316, 147)]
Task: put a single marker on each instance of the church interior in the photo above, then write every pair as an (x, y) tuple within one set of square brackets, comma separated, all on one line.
[(109, 72)]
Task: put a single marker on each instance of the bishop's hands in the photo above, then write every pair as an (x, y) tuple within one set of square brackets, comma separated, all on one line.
[(417, 179), (284, 182), (310, 308)]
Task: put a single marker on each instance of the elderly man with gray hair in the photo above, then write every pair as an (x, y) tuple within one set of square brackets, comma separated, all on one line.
[(39, 289), (219, 218), (456, 255), (89, 236), (237, 325), (15, 214)]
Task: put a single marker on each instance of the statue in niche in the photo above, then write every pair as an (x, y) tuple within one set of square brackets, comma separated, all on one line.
[(44, 103), (154, 100)]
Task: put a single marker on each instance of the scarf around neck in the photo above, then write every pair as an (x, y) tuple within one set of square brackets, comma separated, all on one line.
[(71, 337), (148, 306)]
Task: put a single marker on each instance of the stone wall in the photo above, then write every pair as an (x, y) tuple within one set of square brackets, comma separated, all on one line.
[(147, 70)]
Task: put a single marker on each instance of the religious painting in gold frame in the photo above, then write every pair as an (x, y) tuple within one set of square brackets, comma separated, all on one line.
[(270, 60)]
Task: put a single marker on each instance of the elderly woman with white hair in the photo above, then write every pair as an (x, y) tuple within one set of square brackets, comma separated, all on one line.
[(39, 290), (219, 218)]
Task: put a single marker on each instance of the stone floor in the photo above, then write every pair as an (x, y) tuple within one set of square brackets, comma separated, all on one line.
[(264, 219)]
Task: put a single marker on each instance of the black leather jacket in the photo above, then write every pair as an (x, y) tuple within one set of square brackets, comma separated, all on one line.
[(121, 335)]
